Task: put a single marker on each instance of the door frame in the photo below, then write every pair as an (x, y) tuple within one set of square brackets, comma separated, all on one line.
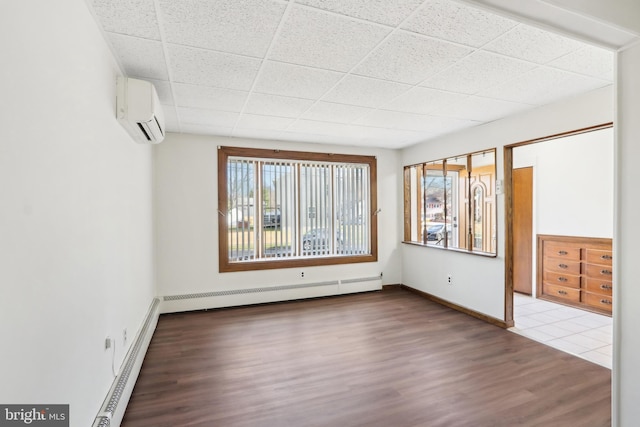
[(508, 208)]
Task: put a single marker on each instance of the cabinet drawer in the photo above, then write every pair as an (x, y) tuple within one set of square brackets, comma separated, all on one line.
[(569, 294), (562, 266), (562, 279), (599, 301), (562, 250), (599, 272), (594, 256), (602, 287)]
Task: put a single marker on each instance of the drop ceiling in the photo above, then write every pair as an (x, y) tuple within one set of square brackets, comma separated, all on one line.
[(358, 72)]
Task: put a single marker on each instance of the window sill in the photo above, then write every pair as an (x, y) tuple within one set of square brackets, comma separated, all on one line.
[(464, 251), (295, 263)]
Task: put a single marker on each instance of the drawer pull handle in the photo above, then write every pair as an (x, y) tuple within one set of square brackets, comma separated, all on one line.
[(606, 257), (606, 272), (562, 279), (605, 301), (563, 253), (605, 287), (566, 266), (562, 292)]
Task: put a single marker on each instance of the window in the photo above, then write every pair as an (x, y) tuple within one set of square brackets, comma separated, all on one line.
[(450, 203), (282, 209)]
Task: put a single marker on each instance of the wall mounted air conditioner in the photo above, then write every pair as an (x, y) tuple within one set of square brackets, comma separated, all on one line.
[(139, 111)]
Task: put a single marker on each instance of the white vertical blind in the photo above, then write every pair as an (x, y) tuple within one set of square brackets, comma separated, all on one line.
[(291, 209), (242, 187)]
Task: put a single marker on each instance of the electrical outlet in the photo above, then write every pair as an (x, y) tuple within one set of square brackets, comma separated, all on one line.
[(302, 274), (107, 343), (449, 279), (124, 335)]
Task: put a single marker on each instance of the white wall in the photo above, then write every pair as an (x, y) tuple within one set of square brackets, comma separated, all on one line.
[(573, 184), (187, 222), (626, 311), (75, 212), (478, 282)]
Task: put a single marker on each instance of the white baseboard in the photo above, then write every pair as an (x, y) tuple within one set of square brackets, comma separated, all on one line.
[(238, 297), (114, 405)]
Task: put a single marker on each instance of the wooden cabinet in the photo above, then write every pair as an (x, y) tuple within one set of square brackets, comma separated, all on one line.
[(576, 271)]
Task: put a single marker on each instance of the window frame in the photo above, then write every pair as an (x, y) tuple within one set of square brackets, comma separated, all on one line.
[(443, 164), (225, 265)]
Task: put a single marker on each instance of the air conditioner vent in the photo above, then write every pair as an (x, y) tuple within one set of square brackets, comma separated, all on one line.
[(144, 131), (139, 111)]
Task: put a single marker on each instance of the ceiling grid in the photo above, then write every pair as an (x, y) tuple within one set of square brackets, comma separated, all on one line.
[(353, 72)]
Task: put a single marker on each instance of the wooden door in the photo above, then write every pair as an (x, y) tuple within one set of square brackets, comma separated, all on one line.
[(522, 229)]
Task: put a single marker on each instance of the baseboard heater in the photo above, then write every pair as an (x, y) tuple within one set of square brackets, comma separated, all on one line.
[(235, 297), (114, 405)]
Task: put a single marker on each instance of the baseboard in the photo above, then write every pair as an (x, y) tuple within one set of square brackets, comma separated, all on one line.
[(465, 310), (391, 286), (268, 294), (112, 410)]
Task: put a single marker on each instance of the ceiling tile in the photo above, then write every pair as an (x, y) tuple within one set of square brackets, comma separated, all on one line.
[(591, 61), (325, 40), (400, 144), (205, 67), (356, 136), (278, 78), (532, 44), (163, 88), (257, 134), (567, 88), (456, 22), (389, 138), (345, 134), (253, 121), (410, 58), (322, 128), (209, 97), (478, 71), (332, 112), (131, 17), (384, 12), (236, 26), (394, 120), (482, 109), (365, 92), (407, 121), (303, 137), (140, 57), (274, 105), (212, 118), (206, 130), (523, 88), (215, 53), (322, 139), (421, 100), (315, 139), (444, 125)]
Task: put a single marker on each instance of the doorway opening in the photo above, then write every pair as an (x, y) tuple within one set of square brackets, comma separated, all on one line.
[(559, 211)]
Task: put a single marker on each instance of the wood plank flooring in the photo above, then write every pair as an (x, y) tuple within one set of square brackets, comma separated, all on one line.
[(388, 359)]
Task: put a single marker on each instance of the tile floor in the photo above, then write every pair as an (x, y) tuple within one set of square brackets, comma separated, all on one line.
[(578, 332)]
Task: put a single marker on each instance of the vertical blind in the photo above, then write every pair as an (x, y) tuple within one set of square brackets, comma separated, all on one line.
[(296, 209)]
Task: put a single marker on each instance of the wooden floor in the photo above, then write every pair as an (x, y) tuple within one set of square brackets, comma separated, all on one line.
[(389, 359)]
